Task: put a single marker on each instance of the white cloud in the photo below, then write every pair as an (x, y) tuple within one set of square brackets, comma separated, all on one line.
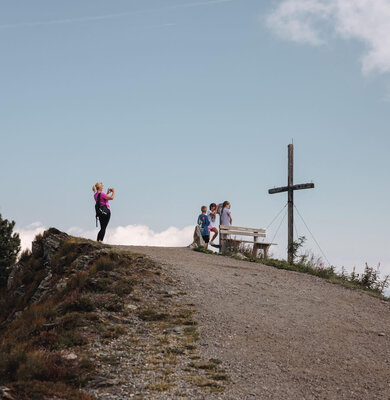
[(28, 234), (297, 20), (144, 236), (311, 21), (140, 235)]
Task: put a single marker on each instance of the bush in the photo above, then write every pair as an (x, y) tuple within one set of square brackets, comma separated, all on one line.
[(307, 263), (9, 248)]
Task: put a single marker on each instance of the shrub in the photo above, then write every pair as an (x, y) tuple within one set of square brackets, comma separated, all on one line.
[(78, 303), (151, 315), (105, 264), (11, 356), (9, 248)]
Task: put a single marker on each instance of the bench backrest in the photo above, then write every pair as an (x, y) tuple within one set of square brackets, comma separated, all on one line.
[(240, 231)]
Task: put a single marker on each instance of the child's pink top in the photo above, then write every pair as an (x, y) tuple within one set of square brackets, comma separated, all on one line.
[(103, 199)]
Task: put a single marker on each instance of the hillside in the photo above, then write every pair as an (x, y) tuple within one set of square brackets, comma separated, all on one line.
[(81, 320), (282, 334)]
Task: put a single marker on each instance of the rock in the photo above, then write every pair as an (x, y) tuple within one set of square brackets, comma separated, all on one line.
[(43, 287), (101, 381), (381, 334), (12, 275), (45, 246), (198, 240), (70, 356), (20, 291), (240, 256), (178, 329), (85, 260), (62, 283), (5, 393), (119, 320)]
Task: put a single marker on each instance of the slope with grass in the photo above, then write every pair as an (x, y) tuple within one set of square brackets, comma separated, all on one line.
[(80, 320)]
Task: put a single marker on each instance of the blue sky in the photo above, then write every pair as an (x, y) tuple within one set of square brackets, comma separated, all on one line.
[(178, 103)]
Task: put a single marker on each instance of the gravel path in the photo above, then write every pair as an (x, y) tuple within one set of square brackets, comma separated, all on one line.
[(284, 335)]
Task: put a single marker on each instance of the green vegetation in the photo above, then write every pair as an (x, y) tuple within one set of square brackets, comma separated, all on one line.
[(369, 281), (87, 279), (9, 248), (204, 250), (61, 301)]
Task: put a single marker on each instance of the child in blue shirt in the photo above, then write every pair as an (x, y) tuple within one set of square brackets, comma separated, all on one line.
[(204, 222)]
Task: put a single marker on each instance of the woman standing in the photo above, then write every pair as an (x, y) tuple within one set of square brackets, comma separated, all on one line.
[(226, 216), (104, 214)]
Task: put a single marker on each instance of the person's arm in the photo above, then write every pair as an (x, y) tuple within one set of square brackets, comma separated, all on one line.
[(112, 191), (230, 217)]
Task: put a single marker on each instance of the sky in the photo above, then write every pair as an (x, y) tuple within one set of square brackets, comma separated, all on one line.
[(180, 103)]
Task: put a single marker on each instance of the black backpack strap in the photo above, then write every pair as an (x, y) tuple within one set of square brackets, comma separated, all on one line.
[(97, 205)]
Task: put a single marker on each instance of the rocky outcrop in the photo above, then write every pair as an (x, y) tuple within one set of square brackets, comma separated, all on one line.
[(44, 269), (198, 240), (43, 248), (47, 244)]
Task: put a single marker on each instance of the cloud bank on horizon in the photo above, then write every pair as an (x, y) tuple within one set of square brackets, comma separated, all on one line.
[(139, 235), (315, 22)]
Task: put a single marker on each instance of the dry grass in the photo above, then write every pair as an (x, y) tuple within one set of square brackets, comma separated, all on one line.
[(31, 350)]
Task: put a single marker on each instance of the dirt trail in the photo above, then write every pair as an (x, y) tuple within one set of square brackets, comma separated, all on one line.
[(284, 335)]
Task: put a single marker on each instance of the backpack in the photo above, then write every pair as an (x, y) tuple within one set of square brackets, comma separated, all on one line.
[(99, 209)]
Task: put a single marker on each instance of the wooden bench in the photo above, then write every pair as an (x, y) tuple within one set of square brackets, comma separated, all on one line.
[(228, 233)]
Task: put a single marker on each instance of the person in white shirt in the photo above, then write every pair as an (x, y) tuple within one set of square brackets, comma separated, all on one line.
[(212, 214)]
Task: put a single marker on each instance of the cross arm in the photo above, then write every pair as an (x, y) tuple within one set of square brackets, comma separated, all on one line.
[(278, 190), (294, 187), (303, 186)]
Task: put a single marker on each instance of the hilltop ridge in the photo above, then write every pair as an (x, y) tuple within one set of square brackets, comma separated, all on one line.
[(282, 334)]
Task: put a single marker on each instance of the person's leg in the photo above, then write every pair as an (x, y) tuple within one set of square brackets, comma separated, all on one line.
[(215, 230), (206, 239), (104, 220)]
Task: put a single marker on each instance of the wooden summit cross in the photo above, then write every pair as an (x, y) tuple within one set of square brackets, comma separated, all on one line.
[(290, 189)]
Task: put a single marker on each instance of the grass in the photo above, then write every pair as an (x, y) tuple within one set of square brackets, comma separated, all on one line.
[(32, 362), (85, 303), (161, 386), (204, 250), (368, 282), (203, 365), (150, 314)]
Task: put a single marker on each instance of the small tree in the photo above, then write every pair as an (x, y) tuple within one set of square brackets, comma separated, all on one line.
[(296, 245), (9, 248)]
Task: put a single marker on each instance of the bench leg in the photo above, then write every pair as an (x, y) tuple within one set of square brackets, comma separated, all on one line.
[(266, 251), (255, 250)]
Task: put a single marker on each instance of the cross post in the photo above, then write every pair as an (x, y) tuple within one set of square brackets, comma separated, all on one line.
[(290, 188)]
